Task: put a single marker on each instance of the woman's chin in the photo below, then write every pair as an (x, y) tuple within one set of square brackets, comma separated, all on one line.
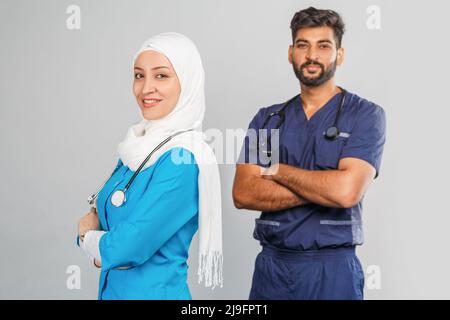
[(154, 113), (147, 115)]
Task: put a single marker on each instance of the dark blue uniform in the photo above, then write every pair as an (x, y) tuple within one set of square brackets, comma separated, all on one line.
[(309, 250)]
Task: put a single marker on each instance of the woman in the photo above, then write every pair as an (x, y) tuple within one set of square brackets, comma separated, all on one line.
[(140, 237)]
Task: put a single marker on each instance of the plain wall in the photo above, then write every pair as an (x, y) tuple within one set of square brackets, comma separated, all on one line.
[(66, 103)]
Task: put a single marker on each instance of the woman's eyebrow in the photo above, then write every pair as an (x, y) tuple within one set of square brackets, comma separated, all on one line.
[(155, 68)]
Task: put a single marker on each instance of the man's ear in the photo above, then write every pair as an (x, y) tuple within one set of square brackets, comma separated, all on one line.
[(290, 54), (340, 56)]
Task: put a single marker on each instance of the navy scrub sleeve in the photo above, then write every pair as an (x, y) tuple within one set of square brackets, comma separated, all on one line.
[(368, 137)]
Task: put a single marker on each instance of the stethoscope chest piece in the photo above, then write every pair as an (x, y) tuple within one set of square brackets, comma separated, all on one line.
[(118, 198), (332, 133)]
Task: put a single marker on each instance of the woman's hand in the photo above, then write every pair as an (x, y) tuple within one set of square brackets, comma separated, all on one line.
[(97, 264), (89, 222)]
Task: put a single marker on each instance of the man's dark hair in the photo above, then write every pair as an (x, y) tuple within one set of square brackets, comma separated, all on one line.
[(313, 17)]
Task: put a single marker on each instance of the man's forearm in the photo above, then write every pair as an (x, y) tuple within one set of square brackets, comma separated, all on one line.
[(257, 193), (328, 188)]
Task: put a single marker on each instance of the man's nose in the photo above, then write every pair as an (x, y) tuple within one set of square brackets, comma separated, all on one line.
[(312, 54)]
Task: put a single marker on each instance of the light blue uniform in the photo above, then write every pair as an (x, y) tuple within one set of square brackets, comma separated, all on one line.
[(151, 231)]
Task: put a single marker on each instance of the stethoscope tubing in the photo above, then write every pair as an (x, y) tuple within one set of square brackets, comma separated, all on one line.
[(91, 200)]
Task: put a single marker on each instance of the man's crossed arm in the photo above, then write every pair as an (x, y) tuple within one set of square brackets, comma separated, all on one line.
[(282, 186)]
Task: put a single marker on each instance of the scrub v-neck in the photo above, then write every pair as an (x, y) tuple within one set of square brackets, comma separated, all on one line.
[(329, 103)]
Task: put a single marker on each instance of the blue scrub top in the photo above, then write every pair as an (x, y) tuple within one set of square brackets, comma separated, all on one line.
[(151, 232), (303, 145)]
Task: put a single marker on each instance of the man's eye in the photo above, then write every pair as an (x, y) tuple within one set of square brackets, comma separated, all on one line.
[(138, 76), (324, 47)]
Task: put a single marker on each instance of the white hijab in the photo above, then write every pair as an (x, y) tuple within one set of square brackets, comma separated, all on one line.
[(188, 113)]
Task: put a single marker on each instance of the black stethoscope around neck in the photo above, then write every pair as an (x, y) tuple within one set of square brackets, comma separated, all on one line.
[(331, 133), (118, 198)]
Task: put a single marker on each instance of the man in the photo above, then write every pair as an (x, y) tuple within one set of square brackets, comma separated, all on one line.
[(330, 147)]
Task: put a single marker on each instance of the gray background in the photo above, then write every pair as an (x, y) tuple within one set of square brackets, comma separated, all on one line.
[(66, 102)]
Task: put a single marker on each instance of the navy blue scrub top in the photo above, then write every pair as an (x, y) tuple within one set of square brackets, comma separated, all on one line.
[(302, 144)]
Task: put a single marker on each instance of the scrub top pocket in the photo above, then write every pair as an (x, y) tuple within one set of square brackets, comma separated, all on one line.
[(328, 152), (267, 231), (344, 232)]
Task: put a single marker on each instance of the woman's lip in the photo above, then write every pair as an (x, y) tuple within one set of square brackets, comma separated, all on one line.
[(149, 105)]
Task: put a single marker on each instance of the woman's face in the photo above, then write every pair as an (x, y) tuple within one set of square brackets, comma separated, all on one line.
[(156, 86)]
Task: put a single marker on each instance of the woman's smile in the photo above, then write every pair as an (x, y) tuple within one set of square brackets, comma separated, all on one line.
[(149, 103)]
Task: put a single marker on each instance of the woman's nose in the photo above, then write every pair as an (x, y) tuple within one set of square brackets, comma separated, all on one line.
[(149, 87)]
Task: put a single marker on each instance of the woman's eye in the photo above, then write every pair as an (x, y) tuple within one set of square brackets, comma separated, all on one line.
[(138, 76), (161, 75)]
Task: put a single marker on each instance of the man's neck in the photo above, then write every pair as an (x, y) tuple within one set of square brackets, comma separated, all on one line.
[(313, 98)]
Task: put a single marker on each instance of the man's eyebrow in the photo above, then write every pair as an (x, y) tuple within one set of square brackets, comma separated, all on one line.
[(155, 68), (301, 40), (325, 41), (320, 41)]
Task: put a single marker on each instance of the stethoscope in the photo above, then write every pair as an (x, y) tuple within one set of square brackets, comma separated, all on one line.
[(331, 133), (118, 198)]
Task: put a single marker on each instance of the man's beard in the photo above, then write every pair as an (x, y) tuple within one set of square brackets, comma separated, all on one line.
[(323, 77)]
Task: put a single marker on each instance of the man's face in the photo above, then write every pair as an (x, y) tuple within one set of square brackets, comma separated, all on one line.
[(314, 55)]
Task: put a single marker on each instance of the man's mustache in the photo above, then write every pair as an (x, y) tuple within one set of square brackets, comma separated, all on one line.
[(308, 63)]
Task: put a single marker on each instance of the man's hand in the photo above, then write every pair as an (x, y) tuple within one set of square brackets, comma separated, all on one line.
[(89, 222)]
